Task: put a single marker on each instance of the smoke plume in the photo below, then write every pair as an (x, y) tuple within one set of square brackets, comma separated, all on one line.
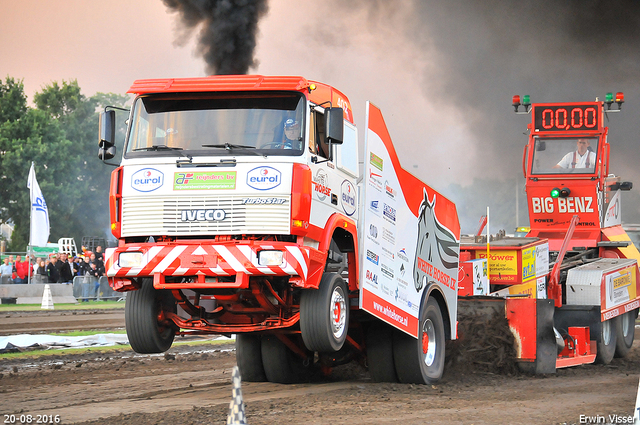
[(228, 30)]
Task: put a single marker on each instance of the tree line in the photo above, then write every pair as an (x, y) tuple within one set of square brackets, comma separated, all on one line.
[(59, 134)]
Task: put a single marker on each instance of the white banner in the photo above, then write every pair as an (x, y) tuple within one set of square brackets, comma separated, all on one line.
[(39, 233)]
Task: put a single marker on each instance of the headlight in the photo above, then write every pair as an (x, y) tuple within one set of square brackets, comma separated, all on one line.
[(130, 259), (270, 258)]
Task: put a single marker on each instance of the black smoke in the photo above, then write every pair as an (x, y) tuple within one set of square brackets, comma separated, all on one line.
[(228, 31)]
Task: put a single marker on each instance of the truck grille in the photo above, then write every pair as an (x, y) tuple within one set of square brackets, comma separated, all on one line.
[(143, 216)]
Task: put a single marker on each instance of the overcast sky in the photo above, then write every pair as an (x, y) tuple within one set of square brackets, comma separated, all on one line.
[(442, 72)]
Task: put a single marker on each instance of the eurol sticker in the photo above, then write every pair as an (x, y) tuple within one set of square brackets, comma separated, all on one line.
[(147, 180), (264, 178)]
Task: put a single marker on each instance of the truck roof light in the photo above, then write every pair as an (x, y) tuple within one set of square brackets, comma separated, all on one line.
[(312, 87), (516, 102), (526, 100), (620, 97), (608, 98)]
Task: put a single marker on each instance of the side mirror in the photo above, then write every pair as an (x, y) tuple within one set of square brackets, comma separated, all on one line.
[(107, 125), (334, 125)]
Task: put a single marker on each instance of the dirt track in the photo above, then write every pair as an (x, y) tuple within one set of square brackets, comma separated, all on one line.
[(191, 386)]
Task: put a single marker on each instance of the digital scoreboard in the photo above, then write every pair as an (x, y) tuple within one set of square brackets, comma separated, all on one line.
[(568, 117)]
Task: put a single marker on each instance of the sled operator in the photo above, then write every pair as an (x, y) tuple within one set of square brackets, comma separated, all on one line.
[(582, 157)]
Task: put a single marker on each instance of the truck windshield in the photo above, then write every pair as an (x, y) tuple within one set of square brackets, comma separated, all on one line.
[(228, 123), (576, 155)]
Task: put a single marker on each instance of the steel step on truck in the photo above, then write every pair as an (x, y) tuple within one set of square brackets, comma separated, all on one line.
[(240, 207), (569, 289)]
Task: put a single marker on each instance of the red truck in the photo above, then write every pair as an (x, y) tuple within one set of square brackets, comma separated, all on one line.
[(240, 207)]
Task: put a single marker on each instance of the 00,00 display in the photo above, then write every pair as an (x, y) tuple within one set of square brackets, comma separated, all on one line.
[(566, 118)]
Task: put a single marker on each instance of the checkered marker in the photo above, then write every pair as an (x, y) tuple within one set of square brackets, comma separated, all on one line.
[(236, 406)]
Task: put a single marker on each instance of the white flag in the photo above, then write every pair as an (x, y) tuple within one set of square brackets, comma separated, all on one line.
[(39, 233)]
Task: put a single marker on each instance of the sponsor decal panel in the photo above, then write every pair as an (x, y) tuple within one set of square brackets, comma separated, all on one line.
[(264, 178), (147, 180), (371, 277), (386, 271), (391, 192), (374, 207), (373, 257), (376, 161), (348, 197), (205, 180), (320, 185), (388, 236), (389, 213)]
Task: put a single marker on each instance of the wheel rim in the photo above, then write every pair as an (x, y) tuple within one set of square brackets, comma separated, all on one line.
[(338, 312), (429, 345), (606, 332)]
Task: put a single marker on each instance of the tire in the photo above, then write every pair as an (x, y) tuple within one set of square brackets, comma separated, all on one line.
[(281, 365), (142, 310), (249, 357), (625, 332), (324, 315), (421, 361), (379, 340), (606, 342)]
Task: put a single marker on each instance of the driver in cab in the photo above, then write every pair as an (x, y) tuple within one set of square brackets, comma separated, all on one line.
[(292, 137), (582, 157)]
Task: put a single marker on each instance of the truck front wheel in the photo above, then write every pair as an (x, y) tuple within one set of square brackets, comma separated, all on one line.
[(625, 327), (421, 361), (324, 315), (249, 357), (147, 329)]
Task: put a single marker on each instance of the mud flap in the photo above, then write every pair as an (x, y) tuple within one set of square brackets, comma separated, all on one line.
[(531, 321)]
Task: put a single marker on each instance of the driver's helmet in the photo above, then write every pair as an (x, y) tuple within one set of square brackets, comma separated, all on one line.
[(292, 129)]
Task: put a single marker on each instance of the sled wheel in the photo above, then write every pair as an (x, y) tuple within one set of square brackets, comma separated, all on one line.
[(421, 361), (324, 315), (625, 326), (606, 342), (147, 329), (379, 341), (281, 365), (249, 357)]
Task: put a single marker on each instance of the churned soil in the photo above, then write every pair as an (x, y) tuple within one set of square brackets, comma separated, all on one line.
[(192, 385)]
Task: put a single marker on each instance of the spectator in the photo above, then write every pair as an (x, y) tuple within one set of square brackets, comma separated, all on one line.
[(52, 270), (36, 265), (42, 269), (99, 253), (66, 276), (99, 263), (5, 271), (94, 272), (83, 267), (21, 269)]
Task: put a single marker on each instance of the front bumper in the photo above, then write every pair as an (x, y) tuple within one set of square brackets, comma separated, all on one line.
[(204, 263)]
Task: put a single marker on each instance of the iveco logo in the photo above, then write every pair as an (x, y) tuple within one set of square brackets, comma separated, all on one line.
[(203, 215)]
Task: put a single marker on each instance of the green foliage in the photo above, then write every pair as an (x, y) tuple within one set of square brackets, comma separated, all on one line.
[(59, 136)]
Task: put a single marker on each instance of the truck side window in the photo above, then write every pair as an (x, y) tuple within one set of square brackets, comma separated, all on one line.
[(321, 142)]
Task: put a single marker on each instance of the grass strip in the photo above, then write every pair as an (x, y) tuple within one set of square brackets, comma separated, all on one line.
[(91, 305), (102, 349)]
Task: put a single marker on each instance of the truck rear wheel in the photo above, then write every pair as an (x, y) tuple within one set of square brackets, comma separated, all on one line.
[(324, 315), (281, 365), (379, 340), (147, 329), (625, 327), (421, 361), (606, 342), (249, 357)]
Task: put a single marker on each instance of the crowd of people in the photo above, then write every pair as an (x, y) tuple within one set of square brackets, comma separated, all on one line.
[(57, 268)]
